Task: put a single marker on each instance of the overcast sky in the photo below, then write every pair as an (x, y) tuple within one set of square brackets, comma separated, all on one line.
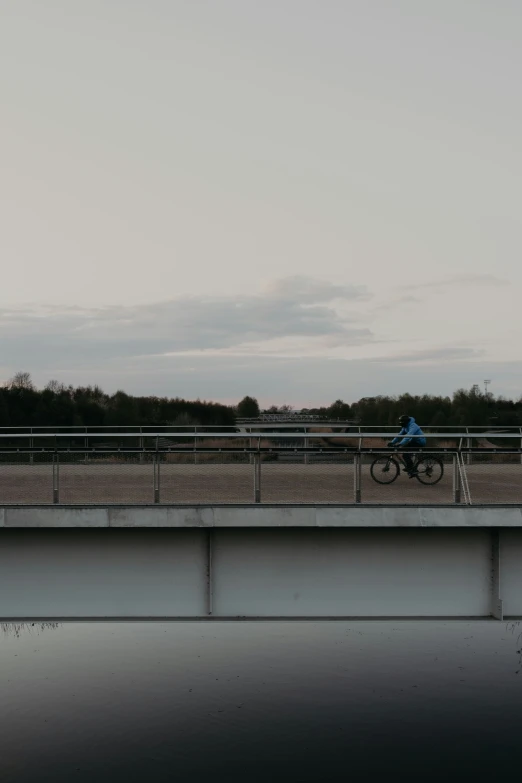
[(297, 199)]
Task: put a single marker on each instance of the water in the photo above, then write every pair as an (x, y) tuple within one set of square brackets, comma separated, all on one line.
[(260, 701)]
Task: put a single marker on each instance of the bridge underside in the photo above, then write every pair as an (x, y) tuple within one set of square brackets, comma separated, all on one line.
[(424, 563)]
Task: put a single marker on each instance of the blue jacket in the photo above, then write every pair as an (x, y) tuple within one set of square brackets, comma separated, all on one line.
[(412, 435)]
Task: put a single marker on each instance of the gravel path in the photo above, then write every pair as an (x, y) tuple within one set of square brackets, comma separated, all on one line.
[(234, 483)]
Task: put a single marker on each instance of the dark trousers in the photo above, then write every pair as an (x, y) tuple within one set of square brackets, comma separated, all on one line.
[(408, 459)]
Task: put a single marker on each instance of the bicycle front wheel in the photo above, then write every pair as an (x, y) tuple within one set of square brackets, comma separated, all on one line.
[(384, 470), (430, 470)]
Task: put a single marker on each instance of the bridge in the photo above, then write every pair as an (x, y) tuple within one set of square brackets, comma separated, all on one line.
[(221, 525)]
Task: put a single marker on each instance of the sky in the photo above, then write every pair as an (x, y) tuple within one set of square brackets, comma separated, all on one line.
[(301, 200)]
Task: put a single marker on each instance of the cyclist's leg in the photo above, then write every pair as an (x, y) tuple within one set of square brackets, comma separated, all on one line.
[(408, 459)]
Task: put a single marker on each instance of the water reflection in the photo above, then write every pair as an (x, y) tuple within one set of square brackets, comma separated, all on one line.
[(515, 629), (16, 629), (259, 701)]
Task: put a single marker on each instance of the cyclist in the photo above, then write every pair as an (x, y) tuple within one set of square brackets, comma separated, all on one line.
[(410, 437)]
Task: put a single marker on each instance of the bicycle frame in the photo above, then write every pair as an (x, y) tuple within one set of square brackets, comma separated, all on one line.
[(399, 457), (416, 455)]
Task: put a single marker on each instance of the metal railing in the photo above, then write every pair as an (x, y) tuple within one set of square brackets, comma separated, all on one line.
[(302, 423), (211, 431), (110, 467)]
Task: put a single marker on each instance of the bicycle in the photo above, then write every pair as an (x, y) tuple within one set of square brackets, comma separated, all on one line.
[(427, 468)]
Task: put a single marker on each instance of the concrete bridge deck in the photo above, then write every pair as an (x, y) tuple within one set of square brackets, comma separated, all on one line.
[(260, 516), (260, 562)]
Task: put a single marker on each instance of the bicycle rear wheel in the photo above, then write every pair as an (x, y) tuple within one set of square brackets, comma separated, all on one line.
[(384, 470), (430, 469)]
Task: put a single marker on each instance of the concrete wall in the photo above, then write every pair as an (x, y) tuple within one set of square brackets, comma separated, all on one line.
[(258, 572), (511, 571), (88, 573), (352, 572)]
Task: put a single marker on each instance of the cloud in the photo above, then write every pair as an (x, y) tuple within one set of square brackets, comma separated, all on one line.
[(457, 281), (415, 293), (396, 302), (296, 307), (435, 355), (310, 290), (286, 342)]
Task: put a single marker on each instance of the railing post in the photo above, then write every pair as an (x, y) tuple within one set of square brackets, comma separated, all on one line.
[(357, 477), (456, 479), (210, 579), (156, 469), (257, 478), (56, 478), (463, 479)]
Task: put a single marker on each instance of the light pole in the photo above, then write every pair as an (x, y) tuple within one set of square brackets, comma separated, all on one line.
[(486, 384)]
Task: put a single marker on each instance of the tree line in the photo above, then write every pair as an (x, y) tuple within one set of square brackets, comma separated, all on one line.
[(463, 408), (57, 405)]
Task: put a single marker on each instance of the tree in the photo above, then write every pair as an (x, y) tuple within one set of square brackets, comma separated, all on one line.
[(339, 410), (184, 419), (439, 420), (21, 380), (55, 387), (122, 409), (279, 409), (4, 411), (248, 408)]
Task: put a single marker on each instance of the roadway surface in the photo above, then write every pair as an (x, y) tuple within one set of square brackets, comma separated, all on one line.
[(206, 483)]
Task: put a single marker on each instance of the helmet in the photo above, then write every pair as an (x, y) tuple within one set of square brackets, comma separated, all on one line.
[(404, 420)]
